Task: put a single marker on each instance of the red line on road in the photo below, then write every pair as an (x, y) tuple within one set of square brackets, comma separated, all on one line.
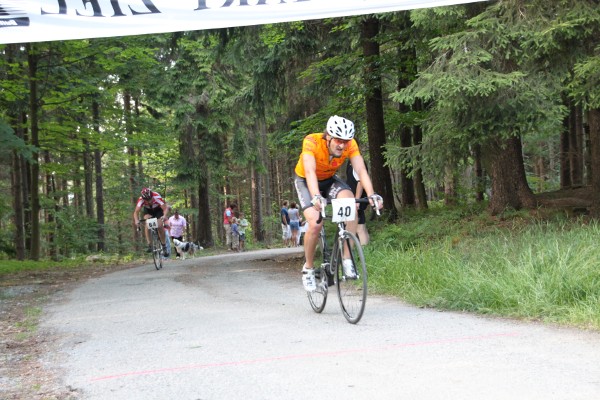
[(300, 356)]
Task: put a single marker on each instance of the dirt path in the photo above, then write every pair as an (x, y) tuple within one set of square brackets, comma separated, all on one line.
[(23, 373), (239, 326)]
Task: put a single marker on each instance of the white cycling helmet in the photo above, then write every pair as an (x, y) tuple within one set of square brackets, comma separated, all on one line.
[(340, 127)]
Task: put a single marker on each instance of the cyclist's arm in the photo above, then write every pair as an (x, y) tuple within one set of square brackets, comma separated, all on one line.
[(136, 213), (359, 190), (310, 173), (165, 209), (358, 164)]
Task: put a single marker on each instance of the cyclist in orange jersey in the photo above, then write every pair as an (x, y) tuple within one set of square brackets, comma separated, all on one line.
[(322, 155)]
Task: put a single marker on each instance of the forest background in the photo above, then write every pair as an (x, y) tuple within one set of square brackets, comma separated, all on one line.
[(495, 102)]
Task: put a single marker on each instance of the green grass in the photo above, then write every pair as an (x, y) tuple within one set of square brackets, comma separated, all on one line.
[(517, 266), (29, 325)]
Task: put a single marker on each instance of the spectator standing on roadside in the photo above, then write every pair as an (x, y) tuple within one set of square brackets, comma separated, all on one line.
[(294, 215), (235, 235), (242, 225), (178, 225), (286, 233), (228, 215)]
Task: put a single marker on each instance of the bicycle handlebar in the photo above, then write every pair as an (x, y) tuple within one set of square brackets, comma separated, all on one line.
[(146, 219), (361, 200), (142, 220)]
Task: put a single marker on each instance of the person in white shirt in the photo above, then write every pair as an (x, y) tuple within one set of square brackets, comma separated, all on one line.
[(243, 224)]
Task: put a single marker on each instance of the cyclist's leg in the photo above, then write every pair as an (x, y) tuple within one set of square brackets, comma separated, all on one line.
[(311, 215), (340, 190), (146, 230), (361, 228), (161, 233), (158, 213), (311, 236)]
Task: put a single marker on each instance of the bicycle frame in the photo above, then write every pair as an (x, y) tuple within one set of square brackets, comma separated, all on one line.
[(155, 243), (350, 280)]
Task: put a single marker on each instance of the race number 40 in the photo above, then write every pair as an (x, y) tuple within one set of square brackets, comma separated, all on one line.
[(343, 210)]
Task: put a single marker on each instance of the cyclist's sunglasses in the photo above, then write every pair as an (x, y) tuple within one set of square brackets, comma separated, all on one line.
[(340, 141)]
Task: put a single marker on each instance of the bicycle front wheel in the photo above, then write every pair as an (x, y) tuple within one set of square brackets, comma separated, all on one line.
[(156, 250), (318, 298), (351, 287)]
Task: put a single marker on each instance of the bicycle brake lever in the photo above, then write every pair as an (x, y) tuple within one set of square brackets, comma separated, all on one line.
[(376, 206)]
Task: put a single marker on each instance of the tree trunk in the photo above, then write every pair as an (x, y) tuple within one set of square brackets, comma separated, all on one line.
[(540, 173), (264, 157), (99, 180), (594, 126), (87, 180), (587, 156), (479, 179), (17, 192), (32, 58), (50, 215), (406, 55), (450, 196), (196, 151), (133, 181), (507, 172), (257, 221), (576, 146), (380, 174), (204, 228), (17, 172), (88, 174), (406, 183), (420, 190), (565, 170)]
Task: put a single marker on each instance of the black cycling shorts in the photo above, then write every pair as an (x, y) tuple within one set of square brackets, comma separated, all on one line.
[(329, 188), (154, 212)]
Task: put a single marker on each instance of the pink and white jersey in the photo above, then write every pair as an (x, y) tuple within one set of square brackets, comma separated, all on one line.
[(154, 202)]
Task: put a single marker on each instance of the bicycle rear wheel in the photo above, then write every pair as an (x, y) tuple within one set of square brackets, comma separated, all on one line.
[(352, 291), (318, 298), (156, 250)]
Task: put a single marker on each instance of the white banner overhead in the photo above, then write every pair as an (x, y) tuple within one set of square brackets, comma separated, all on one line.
[(24, 21)]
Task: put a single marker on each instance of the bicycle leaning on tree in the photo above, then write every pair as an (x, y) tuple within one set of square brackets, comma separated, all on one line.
[(155, 243), (352, 289)]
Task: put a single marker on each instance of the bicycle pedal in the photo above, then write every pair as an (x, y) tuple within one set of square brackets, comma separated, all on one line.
[(318, 273)]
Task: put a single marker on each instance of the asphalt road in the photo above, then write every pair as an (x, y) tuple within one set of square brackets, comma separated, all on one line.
[(240, 326)]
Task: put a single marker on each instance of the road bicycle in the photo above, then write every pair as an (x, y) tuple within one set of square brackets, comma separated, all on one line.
[(155, 243), (351, 290)]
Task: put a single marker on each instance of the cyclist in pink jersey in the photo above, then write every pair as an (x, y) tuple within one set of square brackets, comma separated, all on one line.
[(154, 206)]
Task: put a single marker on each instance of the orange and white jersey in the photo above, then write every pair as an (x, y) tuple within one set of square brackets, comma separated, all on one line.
[(316, 145)]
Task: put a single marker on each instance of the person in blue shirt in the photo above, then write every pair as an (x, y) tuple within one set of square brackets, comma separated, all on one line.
[(286, 233)]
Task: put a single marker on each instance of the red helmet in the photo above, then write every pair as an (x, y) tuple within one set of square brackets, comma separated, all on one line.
[(146, 194)]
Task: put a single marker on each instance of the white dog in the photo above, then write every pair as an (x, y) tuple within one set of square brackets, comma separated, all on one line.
[(184, 248)]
